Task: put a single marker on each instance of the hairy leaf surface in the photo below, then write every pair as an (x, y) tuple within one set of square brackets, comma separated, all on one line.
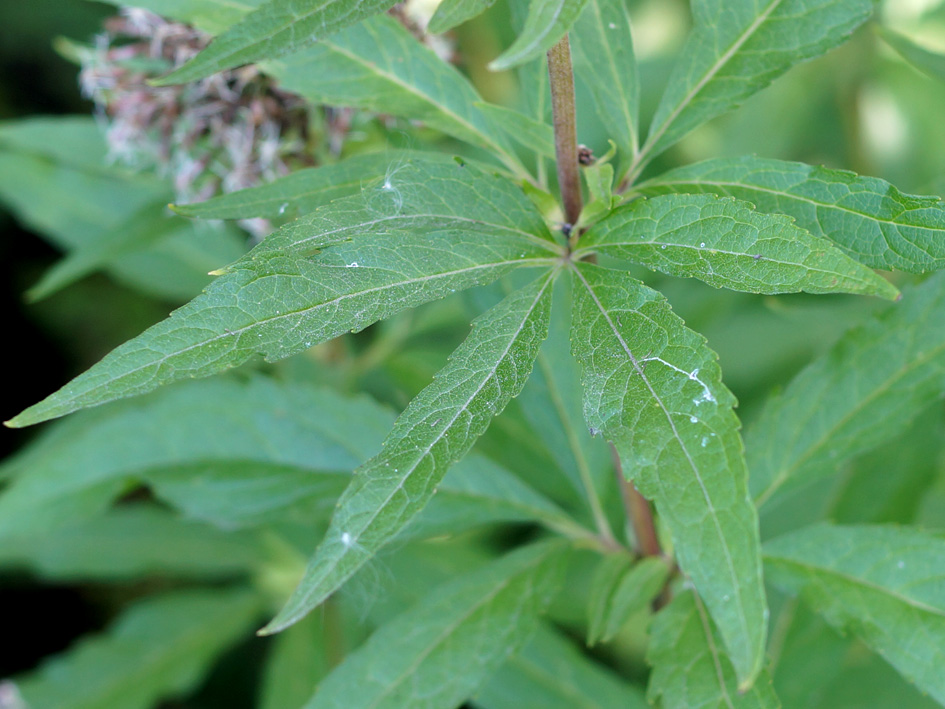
[(436, 653), (725, 243), (885, 584), (275, 29), (737, 48), (654, 389), (865, 391), (866, 217), (159, 648), (547, 22), (690, 666), (437, 429)]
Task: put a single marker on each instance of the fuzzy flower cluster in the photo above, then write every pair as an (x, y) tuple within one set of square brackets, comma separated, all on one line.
[(226, 132)]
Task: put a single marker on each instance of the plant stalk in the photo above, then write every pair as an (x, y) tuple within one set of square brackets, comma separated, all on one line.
[(638, 511), (565, 126)]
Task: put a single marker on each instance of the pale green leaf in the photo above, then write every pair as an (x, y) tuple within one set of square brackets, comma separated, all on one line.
[(298, 193), (74, 140), (552, 673), (690, 667), (159, 648), (621, 588), (298, 660), (536, 136), (654, 389), (737, 48), (885, 584), (437, 429), (222, 423), (436, 653), (865, 391), (282, 299), (450, 13), (602, 48), (725, 243), (212, 16), (866, 217), (930, 63), (379, 66), (132, 541), (275, 29), (547, 22)]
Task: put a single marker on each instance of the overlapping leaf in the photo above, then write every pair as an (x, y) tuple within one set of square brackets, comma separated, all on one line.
[(437, 429), (275, 29), (436, 653), (654, 389), (379, 66), (451, 13), (738, 48), (602, 48), (159, 648), (883, 583), (866, 217), (279, 303), (621, 588), (690, 666), (862, 393), (727, 244), (547, 22)]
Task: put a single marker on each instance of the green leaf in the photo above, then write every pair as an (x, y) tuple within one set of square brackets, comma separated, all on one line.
[(160, 648), (379, 66), (133, 541), (736, 49), (885, 584), (621, 588), (212, 16), (690, 667), (436, 653), (535, 135), (725, 243), (298, 193), (551, 673), (547, 22), (866, 217), (654, 389), (604, 62), (437, 429), (277, 305), (275, 29), (451, 13), (298, 660), (930, 63), (223, 424), (865, 391)]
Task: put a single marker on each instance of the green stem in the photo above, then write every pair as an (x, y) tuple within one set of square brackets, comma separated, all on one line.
[(565, 125)]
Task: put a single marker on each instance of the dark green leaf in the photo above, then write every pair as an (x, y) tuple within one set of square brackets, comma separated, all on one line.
[(690, 667), (654, 389), (275, 29), (863, 392), (885, 584), (725, 243), (437, 429), (436, 653), (867, 217)]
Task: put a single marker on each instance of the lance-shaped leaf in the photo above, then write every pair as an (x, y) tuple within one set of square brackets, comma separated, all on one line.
[(738, 48), (275, 29), (278, 305), (159, 648), (547, 22), (451, 13), (535, 135), (928, 62), (211, 16), (865, 391), (654, 389), (436, 653), (690, 666), (621, 588), (298, 193), (603, 60), (885, 584), (866, 217), (725, 243), (437, 429), (379, 66)]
